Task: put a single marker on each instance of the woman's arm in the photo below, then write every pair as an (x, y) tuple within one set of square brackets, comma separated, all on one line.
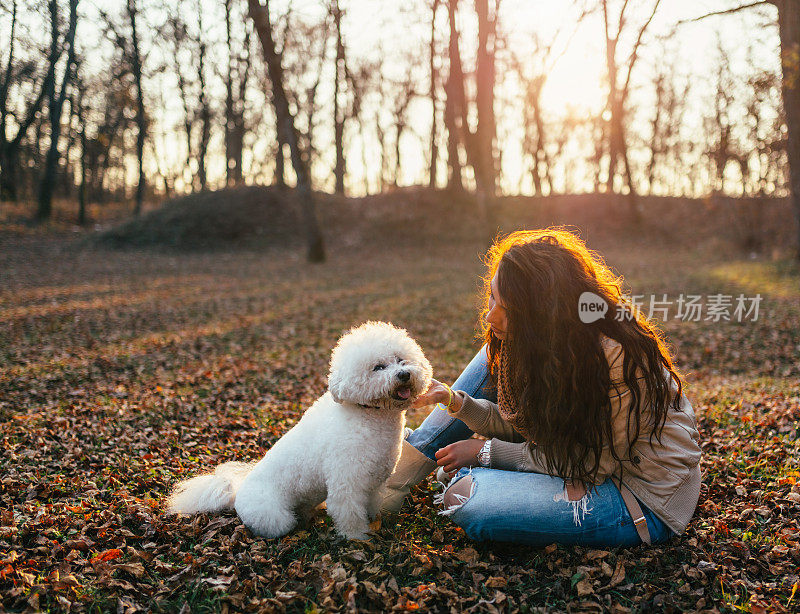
[(483, 417)]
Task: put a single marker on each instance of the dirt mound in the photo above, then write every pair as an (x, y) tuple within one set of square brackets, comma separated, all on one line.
[(259, 216), (264, 217), (238, 216)]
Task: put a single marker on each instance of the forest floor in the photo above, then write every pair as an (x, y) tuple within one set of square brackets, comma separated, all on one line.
[(122, 372)]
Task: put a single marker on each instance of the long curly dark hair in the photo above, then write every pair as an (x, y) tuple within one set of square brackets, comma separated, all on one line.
[(553, 369)]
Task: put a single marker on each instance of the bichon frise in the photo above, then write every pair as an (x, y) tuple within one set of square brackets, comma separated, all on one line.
[(341, 451)]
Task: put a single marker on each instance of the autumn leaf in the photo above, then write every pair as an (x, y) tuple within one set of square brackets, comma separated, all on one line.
[(108, 555)]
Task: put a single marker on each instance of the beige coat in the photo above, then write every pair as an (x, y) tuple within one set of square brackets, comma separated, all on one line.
[(665, 477)]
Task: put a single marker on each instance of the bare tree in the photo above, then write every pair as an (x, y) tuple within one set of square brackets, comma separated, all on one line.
[(478, 142), (404, 94), (82, 119), (189, 54), (458, 99), (669, 105), (485, 73), (339, 112), (10, 148), (766, 141), (56, 97), (619, 81), (532, 71), (203, 103), (789, 33), (303, 40), (362, 82), (434, 75), (5, 86), (261, 19), (141, 123), (719, 125), (454, 101), (236, 80)]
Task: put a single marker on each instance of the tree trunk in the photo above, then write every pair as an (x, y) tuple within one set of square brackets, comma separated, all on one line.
[(9, 150), (260, 16), (205, 110), (81, 112), (484, 99), (434, 75), (613, 96), (280, 160), (229, 115), (338, 110), (789, 28), (9, 160), (472, 145), (541, 162), (5, 85), (141, 126), (238, 65), (399, 129), (633, 197), (454, 180), (452, 107), (56, 104)]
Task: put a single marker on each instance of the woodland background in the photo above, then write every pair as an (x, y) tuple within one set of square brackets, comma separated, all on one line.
[(169, 168)]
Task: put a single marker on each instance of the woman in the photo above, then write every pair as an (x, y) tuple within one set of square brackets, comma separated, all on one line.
[(589, 438)]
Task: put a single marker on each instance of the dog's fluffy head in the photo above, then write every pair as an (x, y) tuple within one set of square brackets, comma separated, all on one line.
[(378, 365)]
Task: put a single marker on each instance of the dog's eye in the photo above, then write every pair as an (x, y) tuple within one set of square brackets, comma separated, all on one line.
[(378, 367)]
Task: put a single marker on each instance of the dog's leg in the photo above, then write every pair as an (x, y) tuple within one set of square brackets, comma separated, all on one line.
[(264, 511), (374, 505), (349, 513)]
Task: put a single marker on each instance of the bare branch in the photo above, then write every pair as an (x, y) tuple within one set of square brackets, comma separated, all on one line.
[(635, 51), (621, 23), (553, 60), (735, 9)]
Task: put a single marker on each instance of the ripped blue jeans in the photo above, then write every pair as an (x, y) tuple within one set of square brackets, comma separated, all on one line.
[(529, 508)]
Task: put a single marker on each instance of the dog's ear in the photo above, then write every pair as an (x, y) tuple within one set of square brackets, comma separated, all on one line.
[(335, 387)]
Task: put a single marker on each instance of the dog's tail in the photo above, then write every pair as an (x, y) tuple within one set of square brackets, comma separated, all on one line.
[(212, 492)]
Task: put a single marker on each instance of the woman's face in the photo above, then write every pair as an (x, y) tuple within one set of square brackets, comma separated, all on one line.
[(496, 317)]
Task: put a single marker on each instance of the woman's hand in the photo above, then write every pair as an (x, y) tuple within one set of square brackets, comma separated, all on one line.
[(459, 454), (437, 392)]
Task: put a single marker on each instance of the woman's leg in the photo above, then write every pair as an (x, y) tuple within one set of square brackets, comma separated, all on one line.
[(532, 508), (440, 428)]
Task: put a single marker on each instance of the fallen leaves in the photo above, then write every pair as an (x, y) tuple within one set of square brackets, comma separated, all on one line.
[(108, 555), (201, 359)]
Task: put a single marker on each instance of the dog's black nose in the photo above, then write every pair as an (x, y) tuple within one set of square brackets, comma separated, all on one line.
[(404, 376)]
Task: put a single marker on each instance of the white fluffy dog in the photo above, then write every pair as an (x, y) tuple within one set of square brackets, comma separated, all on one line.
[(341, 451)]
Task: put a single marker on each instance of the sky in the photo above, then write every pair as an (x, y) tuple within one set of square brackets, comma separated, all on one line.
[(577, 79), (400, 31)]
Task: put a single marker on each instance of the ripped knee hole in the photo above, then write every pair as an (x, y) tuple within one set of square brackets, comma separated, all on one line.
[(577, 496), (455, 495)]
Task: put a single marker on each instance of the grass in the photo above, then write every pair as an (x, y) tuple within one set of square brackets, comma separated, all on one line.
[(122, 372)]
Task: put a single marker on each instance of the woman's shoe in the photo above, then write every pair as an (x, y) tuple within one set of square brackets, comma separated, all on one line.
[(411, 469)]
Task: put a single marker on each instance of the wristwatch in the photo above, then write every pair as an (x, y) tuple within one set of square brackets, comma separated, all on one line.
[(485, 454)]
